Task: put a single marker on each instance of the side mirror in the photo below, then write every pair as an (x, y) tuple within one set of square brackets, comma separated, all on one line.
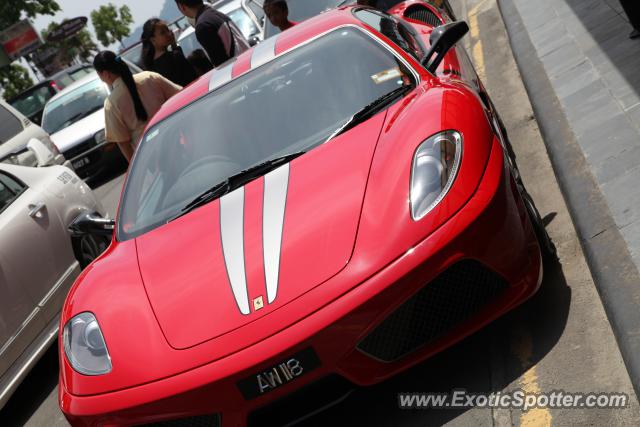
[(43, 155), (442, 39), (91, 223)]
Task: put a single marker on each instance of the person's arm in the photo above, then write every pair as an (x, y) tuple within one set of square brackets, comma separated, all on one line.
[(208, 36), (126, 149), (116, 131)]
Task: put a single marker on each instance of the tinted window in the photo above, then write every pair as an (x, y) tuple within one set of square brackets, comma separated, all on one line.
[(10, 189), (300, 10), (244, 23), (10, 125), (189, 44), (74, 106), (398, 32), (291, 104), (256, 8), (33, 101)]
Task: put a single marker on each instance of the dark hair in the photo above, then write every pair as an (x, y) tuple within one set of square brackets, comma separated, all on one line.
[(282, 4), (200, 62), (148, 50), (109, 61), (190, 3)]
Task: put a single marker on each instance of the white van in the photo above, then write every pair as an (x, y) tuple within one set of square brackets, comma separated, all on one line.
[(24, 143)]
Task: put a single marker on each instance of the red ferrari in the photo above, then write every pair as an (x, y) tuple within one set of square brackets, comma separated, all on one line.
[(328, 209)]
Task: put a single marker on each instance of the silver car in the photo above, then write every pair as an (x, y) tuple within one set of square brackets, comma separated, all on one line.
[(25, 143), (39, 260)]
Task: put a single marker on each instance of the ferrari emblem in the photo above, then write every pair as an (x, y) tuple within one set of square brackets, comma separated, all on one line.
[(258, 303)]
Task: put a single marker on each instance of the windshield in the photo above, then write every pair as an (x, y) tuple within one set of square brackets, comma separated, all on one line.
[(290, 105), (300, 10), (74, 106), (189, 43), (33, 101)]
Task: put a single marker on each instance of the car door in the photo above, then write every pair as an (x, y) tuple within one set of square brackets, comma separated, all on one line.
[(20, 319), (35, 246)]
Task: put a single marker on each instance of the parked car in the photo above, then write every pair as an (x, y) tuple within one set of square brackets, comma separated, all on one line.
[(32, 101), (329, 209), (246, 14), (25, 143), (39, 260), (301, 10), (75, 120)]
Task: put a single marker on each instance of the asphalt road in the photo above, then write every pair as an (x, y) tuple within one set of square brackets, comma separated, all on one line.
[(559, 340)]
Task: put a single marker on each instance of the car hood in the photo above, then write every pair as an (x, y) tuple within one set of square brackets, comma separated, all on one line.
[(79, 132), (259, 248)]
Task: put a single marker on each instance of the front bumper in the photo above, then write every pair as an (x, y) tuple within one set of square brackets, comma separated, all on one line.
[(93, 161), (492, 230)]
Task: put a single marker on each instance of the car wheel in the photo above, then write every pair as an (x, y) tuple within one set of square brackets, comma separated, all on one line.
[(547, 246), (87, 248)]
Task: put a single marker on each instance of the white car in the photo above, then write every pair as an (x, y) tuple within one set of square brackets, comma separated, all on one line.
[(75, 120), (25, 143), (39, 260)]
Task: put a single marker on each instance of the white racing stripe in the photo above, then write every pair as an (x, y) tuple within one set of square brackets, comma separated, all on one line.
[(276, 185), (232, 232), (221, 76), (263, 52)]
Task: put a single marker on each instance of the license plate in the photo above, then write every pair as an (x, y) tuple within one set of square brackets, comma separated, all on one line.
[(282, 373), (80, 163)]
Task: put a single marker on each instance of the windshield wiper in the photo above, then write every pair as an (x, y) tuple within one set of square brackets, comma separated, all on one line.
[(372, 109), (236, 181)]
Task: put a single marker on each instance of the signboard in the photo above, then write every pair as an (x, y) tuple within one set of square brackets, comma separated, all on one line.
[(67, 29), (20, 39)]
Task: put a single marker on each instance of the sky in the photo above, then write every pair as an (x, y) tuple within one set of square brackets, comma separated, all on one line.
[(140, 9)]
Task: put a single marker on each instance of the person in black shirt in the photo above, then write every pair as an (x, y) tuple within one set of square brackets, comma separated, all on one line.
[(217, 34), (156, 56)]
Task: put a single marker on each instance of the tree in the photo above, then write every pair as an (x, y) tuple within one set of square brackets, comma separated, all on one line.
[(111, 24), (12, 11), (14, 79), (80, 45)]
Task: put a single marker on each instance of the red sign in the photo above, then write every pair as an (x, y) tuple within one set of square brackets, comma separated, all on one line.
[(20, 39)]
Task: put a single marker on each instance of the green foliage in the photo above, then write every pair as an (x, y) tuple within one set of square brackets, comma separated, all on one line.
[(14, 79), (111, 24), (80, 46), (11, 11)]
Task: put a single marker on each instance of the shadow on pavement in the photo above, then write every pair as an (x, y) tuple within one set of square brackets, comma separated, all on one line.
[(607, 23), (33, 391)]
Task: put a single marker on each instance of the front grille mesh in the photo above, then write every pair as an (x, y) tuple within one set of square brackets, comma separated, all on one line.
[(423, 14), (79, 149), (452, 298)]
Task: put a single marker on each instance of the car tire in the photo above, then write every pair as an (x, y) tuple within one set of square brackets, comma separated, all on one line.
[(87, 248), (548, 248)]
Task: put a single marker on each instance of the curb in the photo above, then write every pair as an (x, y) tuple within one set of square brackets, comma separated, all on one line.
[(614, 273)]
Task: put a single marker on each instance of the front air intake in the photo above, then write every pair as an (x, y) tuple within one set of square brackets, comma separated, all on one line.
[(450, 300), (423, 14)]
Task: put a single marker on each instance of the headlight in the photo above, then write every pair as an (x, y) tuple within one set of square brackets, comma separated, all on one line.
[(84, 345), (435, 166), (100, 137)]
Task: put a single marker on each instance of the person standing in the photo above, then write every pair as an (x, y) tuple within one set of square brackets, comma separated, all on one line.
[(215, 31), (278, 13), (632, 9), (156, 56), (132, 102)]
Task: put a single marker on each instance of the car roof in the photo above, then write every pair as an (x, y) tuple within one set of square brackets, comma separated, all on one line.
[(282, 42)]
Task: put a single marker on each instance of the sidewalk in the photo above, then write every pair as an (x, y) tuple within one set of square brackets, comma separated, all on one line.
[(582, 73)]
